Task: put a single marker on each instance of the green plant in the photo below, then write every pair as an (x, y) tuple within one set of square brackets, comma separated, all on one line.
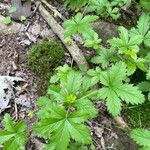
[(115, 89), (80, 24), (145, 5), (104, 8), (13, 136), (141, 137), (65, 110), (75, 4), (7, 20), (104, 57), (142, 29)]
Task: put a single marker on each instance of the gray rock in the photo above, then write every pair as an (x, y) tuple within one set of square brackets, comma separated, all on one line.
[(105, 30), (13, 28)]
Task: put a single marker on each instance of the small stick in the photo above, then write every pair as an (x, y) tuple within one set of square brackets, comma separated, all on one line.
[(52, 8)]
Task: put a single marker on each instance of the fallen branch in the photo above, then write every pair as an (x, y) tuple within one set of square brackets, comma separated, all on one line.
[(52, 8), (73, 49)]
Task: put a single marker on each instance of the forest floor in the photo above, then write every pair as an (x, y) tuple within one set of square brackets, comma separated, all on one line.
[(14, 46)]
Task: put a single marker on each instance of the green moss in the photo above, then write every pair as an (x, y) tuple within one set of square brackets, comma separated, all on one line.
[(138, 116), (43, 58)]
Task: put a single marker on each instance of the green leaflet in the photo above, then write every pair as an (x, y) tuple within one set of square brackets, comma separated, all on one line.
[(106, 8), (144, 86), (115, 90), (141, 137), (61, 128), (13, 134), (80, 24), (142, 29), (145, 5), (75, 4), (127, 44), (75, 91), (104, 57)]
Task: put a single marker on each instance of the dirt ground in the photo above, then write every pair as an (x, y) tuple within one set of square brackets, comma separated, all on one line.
[(13, 62)]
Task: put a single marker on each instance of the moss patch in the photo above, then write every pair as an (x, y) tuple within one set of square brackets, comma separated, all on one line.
[(138, 116), (43, 58)]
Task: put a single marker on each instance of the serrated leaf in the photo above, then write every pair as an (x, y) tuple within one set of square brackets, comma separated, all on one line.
[(12, 9), (80, 24), (144, 23), (142, 29), (145, 5), (14, 134), (7, 20), (79, 133), (130, 94), (61, 130), (113, 102), (8, 123), (141, 137), (115, 91), (115, 75), (60, 139), (144, 86), (75, 4), (104, 57), (126, 43), (86, 106)]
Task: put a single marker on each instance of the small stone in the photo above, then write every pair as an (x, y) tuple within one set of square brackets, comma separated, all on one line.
[(36, 29)]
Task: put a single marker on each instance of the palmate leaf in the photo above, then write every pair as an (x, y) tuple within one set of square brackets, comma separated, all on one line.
[(62, 127), (104, 57), (130, 94), (143, 26), (114, 76), (115, 91), (13, 135), (93, 41), (73, 4), (127, 44), (80, 24), (86, 106), (74, 87), (97, 6), (141, 137), (144, 86)]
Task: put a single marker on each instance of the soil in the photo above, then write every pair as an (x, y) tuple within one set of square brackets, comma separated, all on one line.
[(13, 62)]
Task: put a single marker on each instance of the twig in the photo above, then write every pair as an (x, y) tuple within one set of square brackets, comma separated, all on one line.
[(77, 38), (28, 25), (121, 122), (52, 8), (74, 50)]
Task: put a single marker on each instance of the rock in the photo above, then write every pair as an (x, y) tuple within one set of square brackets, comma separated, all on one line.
[(105, 30), (22, 9), (36, 29), (47, 33), (14, 28)]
